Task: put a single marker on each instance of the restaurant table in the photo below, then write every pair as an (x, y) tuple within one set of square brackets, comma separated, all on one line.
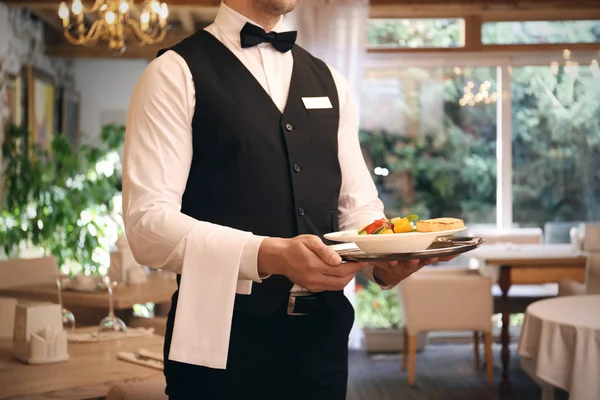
[(89, 373), (560, 344), (526, 264), (93, 306)]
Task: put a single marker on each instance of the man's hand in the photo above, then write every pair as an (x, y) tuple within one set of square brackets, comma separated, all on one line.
[(306, 261), (393, 272)]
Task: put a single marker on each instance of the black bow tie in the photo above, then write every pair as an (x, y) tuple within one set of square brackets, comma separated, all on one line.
[(252, 35)]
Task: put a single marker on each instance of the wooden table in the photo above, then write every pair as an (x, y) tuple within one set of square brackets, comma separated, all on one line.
[(156, 289), (89, 373), (527, 265)]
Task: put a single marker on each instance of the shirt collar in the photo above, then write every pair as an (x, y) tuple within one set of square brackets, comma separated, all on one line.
[(230, 23)]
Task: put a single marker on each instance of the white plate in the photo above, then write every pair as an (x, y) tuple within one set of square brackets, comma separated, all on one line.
[(392, 243), (442, 246)]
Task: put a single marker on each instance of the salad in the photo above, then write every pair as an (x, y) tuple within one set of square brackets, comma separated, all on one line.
[(389, 226)]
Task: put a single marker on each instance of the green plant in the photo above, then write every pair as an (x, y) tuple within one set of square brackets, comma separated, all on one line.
[(59, 200), (376, 308)]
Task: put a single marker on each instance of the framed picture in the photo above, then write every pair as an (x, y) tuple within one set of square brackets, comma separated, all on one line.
[(41, 107), (69, 115), (15, 98)]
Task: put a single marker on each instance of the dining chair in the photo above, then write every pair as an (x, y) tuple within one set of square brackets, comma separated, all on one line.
[(447, 301), (8, 307), (590, 243), (28, 271)]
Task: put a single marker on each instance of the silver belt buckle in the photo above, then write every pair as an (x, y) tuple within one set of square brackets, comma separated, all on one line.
[(292, 302)]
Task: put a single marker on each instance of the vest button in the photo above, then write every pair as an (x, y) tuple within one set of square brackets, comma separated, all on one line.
[(301, 211), (296, 168), (289, 127)]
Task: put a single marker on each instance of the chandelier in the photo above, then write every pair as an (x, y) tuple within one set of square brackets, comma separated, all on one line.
[(114, 21)]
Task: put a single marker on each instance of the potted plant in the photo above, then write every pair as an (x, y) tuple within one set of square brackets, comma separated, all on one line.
[(379, 315)]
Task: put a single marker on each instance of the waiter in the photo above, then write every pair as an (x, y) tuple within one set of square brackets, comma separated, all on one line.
[(241, 152)]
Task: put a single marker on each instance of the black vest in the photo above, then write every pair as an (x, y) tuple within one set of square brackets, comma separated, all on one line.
[(255, 168)]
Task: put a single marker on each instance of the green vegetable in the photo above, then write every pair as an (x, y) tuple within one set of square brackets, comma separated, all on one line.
[(412, 217)]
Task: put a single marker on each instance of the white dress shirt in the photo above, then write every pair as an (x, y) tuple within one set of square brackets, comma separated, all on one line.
[(157, 159)]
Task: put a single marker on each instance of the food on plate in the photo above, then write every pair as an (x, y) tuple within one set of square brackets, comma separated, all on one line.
[(439, 224), (411, 223), (385, 226)]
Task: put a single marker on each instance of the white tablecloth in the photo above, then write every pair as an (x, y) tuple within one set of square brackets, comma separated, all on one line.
[(561, 339)]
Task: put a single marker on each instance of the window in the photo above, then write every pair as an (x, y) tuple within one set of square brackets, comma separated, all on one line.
[(416, 33), (429, 136), (431, 121), (555, 144), (541, 32)]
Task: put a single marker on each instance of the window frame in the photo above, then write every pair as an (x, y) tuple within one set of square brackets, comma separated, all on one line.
[(504, 62), (474, 20)]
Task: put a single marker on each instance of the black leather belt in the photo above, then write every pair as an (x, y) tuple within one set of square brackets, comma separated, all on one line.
[(303, 303)]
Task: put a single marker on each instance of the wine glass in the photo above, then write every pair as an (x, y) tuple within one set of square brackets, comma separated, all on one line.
[(111, 323), (68, 319)]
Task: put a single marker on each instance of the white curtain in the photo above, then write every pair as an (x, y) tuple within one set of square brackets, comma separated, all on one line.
[(336, 32)]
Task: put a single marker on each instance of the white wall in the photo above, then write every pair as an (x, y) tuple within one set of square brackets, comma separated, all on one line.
[(105, 87)]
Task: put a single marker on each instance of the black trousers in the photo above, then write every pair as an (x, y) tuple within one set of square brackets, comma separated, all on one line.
[(277, 358)]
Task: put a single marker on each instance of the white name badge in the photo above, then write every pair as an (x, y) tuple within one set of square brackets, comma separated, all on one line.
[(316, 103)]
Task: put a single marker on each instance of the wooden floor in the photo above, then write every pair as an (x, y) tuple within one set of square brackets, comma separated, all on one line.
[(443, 371)]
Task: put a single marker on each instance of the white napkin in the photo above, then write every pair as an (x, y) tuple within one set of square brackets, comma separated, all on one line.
[(209, 282), (48, 344)]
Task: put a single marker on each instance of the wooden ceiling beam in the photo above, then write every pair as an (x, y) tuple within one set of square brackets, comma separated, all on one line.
[(51, 18), (186, 18), (398, 3), (57, 46), (87, 3)]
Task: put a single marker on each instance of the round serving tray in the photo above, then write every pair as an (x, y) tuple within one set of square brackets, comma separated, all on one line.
[(444, 246)]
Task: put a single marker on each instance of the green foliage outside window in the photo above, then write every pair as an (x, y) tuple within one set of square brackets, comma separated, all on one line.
[(415, 33), (540, 32), (556, 145)]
